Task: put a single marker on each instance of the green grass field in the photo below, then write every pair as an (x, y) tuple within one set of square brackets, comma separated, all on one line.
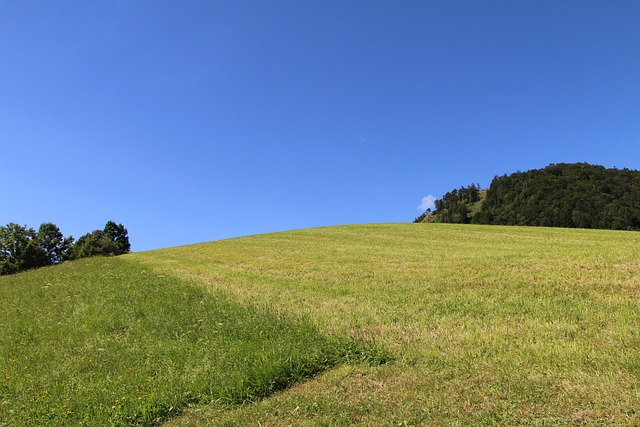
[(106, 341), (486, 325)]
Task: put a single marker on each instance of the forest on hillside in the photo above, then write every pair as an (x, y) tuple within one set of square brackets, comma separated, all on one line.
[(576, 195)]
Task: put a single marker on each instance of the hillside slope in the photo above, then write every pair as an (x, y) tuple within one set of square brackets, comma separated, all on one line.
[(488, 324), (106, 341), (561, 195)]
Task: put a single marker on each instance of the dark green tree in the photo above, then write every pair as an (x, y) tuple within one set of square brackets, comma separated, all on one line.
[(22, 248), (422, 216), (52, 243), (456, 205), (87, 246), (112, 240), (118, 235), (19, 249)]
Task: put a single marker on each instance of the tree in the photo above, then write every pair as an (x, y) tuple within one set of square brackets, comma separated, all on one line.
[(119, 235), (422, 216), (23, 248), (52, 243), (19, 249), (112, 240), (87, 246)]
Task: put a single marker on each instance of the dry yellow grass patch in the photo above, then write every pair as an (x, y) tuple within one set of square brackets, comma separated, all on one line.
[(489, 325)]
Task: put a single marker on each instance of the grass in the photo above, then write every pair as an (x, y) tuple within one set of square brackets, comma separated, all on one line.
[(107, 341), (488, 325)]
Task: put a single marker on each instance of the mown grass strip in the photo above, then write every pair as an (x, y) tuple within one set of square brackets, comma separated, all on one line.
[(490, 325), (108, 342)]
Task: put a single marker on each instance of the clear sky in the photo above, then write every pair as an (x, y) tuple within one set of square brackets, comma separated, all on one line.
[(191, 121)]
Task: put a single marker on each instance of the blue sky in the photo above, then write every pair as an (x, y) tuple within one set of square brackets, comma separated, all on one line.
[(202, 120)]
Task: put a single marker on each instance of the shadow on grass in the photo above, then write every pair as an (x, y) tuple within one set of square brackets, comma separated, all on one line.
[(107, 341)]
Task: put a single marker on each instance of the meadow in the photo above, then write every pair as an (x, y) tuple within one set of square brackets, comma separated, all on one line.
[(105, 341), (478, 325)]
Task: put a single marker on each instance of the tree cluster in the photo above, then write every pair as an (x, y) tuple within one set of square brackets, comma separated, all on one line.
[(565, 195), (561, 195), (455, 206), (423, 216), (23, 248)]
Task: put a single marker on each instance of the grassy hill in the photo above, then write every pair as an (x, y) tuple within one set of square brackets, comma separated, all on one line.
[(485, 325)]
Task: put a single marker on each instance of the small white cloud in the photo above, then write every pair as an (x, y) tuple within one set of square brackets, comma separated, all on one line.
[(428, 202)]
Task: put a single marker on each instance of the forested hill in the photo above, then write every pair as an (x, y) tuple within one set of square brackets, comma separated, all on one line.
[(559, 195)]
